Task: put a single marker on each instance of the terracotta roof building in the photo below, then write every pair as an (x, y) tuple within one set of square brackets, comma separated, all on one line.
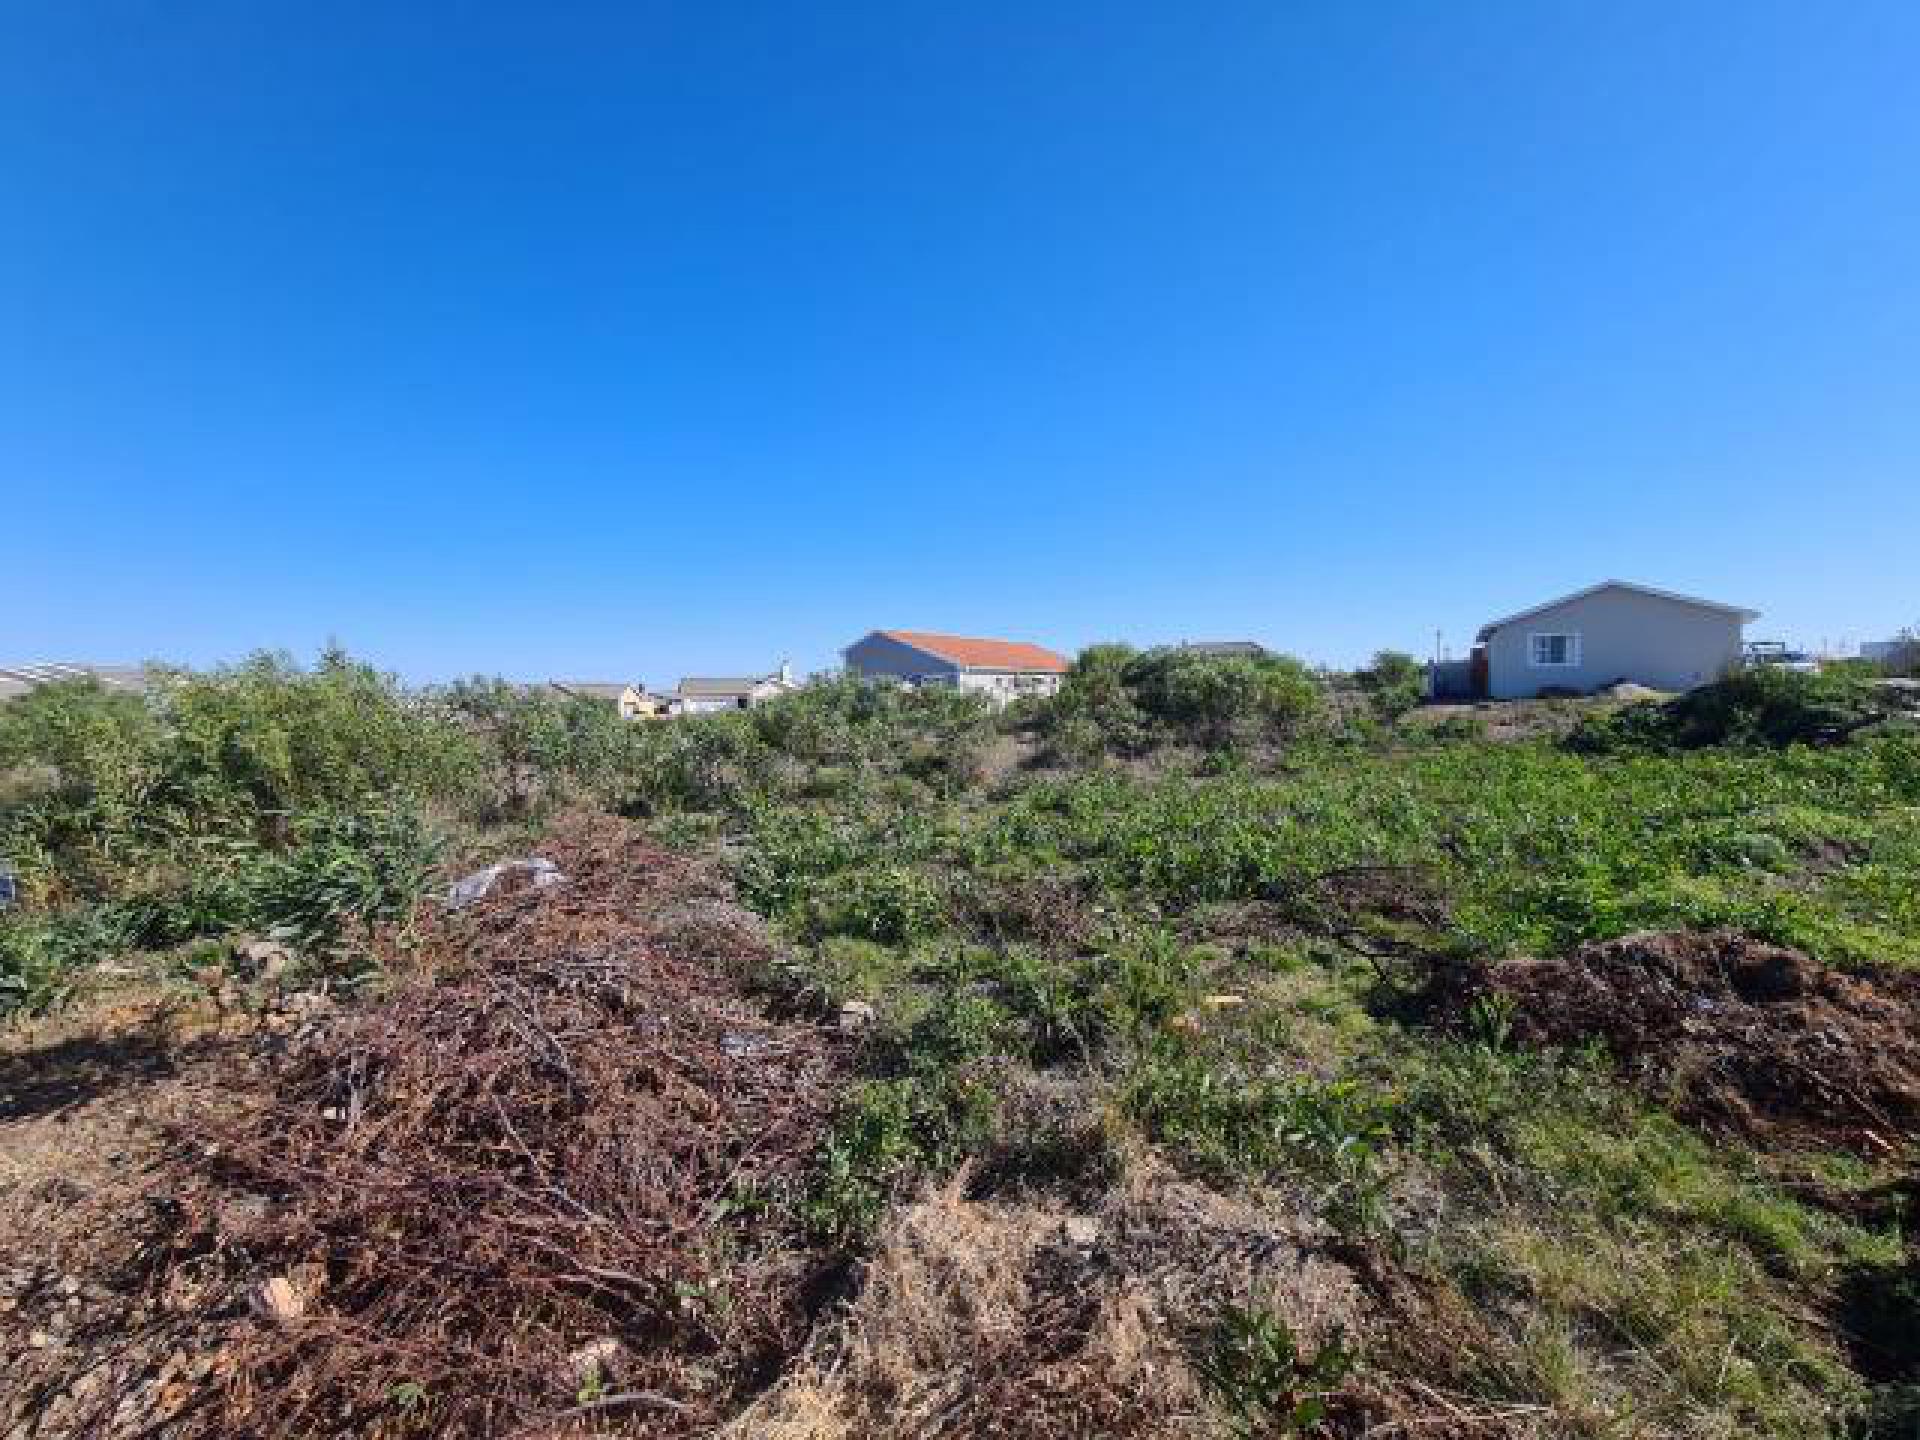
[(1002, 670)]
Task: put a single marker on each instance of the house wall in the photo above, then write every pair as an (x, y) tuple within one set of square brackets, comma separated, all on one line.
[(1002, 686), (760, 694), (1624, 635), (877, 658)]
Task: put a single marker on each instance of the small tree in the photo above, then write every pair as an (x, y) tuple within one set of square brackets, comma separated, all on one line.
[(1393, 683)]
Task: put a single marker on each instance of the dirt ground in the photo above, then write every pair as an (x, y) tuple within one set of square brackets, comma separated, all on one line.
[(92, 1106)]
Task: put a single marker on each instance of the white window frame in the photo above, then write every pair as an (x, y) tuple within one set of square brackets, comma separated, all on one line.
[(1572, 660)]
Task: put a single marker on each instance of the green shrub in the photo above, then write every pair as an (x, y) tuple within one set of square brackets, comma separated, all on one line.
[(1117, 701), (1219, 700), (889, 1131), (825, 876), (40, 954), (345, 873), (266, 738), (1394, 683), (1260, 1376), (1762, 706), (1094, 712), (539, 742)]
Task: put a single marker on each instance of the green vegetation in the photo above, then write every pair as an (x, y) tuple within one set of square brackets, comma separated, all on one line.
[(1758, 707), (1264, 1382), (1118, 701), (1195, 905)]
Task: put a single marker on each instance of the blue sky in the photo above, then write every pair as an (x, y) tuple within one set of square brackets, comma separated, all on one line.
[(633, 340)]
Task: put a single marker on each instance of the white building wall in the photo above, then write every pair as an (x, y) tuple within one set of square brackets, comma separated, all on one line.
[(1623, 635), (1005, 686)]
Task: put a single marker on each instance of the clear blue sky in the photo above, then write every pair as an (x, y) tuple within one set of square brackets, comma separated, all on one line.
[(632, 340)]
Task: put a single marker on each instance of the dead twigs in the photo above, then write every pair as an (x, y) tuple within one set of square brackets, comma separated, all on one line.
[(509, 1183)]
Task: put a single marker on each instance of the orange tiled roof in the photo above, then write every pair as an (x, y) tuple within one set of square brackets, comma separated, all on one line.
[(981, 654)]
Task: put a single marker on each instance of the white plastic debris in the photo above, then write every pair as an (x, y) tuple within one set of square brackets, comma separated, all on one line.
[(541, 873)]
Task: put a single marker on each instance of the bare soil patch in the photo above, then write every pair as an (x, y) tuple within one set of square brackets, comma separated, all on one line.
[(93, 1106)]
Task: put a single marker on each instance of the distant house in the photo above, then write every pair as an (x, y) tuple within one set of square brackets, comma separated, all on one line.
[(1002, 670), (1891, 652), (705, 694), (17, 680), (1227, 649), (632, 701), (1608, 632)]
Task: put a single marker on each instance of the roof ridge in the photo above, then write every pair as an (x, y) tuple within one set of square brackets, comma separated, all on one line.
[(1745, 612)]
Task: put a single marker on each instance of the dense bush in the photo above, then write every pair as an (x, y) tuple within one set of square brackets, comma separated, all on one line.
[(262, 796), (538, 744), (1095, 712), (1117, 701), (1761, 706), (117, 786)]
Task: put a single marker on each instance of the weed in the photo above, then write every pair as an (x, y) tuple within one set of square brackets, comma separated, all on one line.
[(1328, 1133), (1258, 1373)]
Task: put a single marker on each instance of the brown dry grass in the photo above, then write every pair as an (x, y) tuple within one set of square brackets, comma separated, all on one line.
[(964, 1327), (1010, 1318)]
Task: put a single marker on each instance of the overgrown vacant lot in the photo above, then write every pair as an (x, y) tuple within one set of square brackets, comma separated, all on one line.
[(1218, 1049)]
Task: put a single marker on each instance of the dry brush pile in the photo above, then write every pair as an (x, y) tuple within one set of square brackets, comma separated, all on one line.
[(1736, 1034), (544, 1187)]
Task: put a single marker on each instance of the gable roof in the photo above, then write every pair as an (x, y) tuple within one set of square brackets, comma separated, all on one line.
[(716, 685), (970, 653), (1739, 611), (594, 689), (18, 679)]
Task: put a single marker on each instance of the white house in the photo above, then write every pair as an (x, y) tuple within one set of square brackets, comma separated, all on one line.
[(632, 701), (1609, 632), (1002, 670), (706, 694)]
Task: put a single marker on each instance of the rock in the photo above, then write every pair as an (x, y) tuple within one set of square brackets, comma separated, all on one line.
[(1082, 1231), (279, 1300), (857, 1015)]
